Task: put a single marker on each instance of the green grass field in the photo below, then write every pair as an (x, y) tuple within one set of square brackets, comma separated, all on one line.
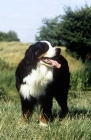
[(76, 125)]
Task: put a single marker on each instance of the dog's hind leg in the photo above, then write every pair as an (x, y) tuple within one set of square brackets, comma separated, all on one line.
[(61, 98)]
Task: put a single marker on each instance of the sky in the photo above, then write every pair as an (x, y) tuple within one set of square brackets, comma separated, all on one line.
[(25, 16)]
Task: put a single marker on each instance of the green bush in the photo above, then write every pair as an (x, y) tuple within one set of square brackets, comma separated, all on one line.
[(72, 29), (7, 78), (2, 92), (4, 66), (10, 36), (81, 79)]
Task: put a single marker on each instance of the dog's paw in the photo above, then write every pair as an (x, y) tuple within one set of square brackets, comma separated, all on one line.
[(43, 124)]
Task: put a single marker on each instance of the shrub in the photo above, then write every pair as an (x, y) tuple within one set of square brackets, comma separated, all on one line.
[(2, 92), (7, 78), (10, 36), (81, 79)]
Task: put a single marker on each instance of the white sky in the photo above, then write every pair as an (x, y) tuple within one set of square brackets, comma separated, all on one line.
[(25, 16)]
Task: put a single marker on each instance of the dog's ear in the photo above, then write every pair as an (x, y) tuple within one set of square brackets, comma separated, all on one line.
[(29, 55)]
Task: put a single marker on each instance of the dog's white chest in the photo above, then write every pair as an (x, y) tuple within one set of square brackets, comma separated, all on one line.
[(36, 82)]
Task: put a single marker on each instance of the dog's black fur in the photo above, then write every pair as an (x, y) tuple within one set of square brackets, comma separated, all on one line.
[(58, 89)]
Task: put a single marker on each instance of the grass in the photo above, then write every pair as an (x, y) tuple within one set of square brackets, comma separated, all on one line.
[(13, 52), (74, 64), (76, 126), (7, 79)]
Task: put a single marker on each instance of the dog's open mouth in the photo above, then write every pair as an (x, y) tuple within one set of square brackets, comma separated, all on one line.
[(51, 62)]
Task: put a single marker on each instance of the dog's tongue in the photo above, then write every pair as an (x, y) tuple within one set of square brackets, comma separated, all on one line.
[(55, 63)]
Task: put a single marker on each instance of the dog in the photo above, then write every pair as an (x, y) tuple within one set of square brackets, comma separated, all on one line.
[(41, 75)]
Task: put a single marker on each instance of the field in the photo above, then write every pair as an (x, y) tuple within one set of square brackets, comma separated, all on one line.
[(76, 125), (13, 52)]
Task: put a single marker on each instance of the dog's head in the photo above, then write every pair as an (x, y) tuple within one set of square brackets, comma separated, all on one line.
[(44, 53)]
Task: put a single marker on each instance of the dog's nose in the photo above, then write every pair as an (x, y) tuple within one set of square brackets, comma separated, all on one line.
[(58, 50)]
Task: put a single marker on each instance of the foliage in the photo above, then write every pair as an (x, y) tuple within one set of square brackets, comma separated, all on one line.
[(3, 95), (50, 31), (87, 70), (81, 79), (10, 36), (72, 29), (2, 92), (7, 78), (76, 30)]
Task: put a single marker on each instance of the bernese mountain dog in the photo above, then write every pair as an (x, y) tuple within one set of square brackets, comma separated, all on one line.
[(41, 75)]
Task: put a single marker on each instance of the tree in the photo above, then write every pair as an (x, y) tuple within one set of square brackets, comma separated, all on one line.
[(49, 31), (73, 29), (76, 30), (10, 36)]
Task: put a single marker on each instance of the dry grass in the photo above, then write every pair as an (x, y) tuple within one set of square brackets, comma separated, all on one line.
[(74, 64), (13, 52)]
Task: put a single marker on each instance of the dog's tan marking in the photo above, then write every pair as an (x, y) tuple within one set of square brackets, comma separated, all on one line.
[(43, 119), (41, 56)]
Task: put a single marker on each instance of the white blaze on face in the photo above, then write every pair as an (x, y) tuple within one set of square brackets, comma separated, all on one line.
[(49, 54)]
